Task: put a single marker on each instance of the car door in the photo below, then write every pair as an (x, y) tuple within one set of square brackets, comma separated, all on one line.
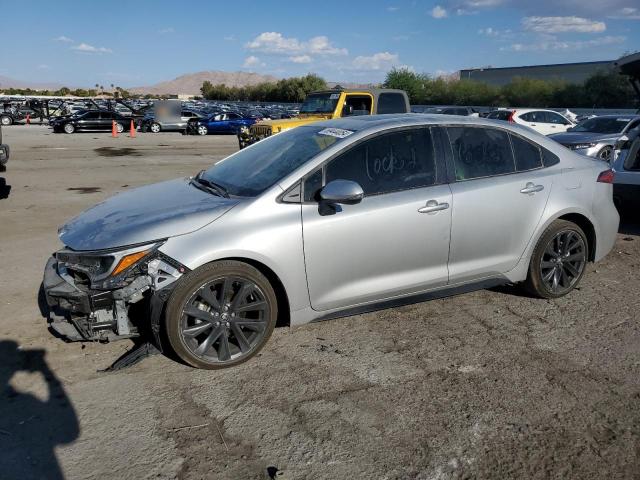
[(233, 123), (105, 121), (499, 194), (556, 123), (89, 120), (396, 240), (535, 120)]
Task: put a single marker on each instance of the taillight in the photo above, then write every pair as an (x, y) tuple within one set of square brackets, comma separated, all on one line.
[(511, 120), (606, 176)]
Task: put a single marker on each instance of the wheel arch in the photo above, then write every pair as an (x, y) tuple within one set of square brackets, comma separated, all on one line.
[(284, 312), (587, 227)]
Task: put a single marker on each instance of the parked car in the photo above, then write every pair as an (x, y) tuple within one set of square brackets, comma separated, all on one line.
[(220, 123), (327, 104), (4, 153), (597, 137), (89, 120), (626, 167), (154, 124), (502, 114), (328, 220), (545, 122), (9, 117), (461, 111)]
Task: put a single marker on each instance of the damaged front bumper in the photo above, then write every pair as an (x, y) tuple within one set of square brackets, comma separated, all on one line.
[(126, 306)]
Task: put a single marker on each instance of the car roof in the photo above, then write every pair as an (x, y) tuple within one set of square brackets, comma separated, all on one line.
[(377, 122), (631, 117)]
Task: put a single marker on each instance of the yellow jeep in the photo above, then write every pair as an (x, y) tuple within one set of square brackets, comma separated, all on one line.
[(329, 104)]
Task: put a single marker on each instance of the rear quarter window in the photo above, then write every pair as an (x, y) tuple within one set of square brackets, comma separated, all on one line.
[(391, 103), (527, 155)]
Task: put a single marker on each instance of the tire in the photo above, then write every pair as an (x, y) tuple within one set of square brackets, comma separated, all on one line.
[(69, 128), (202, 130), (119, 127), (155, 127), (551, 272), (6, 120), (209, 340), (606, 154)]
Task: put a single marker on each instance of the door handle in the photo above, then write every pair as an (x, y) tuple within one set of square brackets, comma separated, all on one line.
[(433, 206), (531, 188)]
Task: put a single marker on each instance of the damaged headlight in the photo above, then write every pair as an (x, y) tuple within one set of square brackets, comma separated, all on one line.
[(102, 269)]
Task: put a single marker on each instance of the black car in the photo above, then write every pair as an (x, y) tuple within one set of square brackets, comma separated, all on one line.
[(4, 153), (90, 120)]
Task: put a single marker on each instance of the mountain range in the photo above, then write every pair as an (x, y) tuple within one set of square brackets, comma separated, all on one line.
[(188, 84)]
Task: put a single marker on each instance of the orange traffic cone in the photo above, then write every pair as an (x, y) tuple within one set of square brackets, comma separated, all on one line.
[(133, 130), (114, 129), (28, 119)]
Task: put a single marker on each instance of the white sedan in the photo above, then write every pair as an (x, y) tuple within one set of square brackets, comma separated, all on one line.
[(542, 121)]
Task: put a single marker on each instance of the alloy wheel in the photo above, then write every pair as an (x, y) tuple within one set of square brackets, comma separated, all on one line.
[(605, 154), (202, 130), (155, 128), (225, 319), (5, 121), (563, 261)]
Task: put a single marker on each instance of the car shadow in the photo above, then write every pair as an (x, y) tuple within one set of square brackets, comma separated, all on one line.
[(5, 189), (629, 226), (32, 426)]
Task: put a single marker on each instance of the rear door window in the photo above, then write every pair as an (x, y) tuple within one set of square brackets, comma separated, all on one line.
[(391, 103), (527, 155), (387, 163), (480, 152)]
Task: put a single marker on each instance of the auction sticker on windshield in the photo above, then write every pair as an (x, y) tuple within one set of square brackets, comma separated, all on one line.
[(335, 132)]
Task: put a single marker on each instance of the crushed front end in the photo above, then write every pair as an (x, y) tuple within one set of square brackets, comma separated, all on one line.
[(108, 295)]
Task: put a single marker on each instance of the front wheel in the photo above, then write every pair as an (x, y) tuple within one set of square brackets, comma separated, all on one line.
[(119, 127), (221, 315), (202, 130), (606, 153), (69, 128), (558, 261), (6, 120), (155, 127)]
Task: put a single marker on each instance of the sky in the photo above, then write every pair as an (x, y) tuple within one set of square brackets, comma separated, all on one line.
[(81, 43)]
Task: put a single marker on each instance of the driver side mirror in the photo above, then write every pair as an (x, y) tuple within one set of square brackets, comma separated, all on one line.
[(345, 192)]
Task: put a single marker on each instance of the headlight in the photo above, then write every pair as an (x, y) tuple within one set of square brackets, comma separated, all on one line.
[(102, 269), (582, 146)]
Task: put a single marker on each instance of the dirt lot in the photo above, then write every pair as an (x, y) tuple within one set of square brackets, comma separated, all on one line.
[(486, 385)]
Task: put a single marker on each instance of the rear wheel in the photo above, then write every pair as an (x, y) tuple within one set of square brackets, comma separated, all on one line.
[(558, 261), (221, 315), (69, 128), (6, 120)]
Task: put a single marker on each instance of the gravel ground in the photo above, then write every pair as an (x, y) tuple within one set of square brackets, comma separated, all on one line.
[(490, 384)]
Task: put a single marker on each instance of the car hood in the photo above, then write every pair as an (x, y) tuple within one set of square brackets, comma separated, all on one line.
[(570, 138), (144, 214)]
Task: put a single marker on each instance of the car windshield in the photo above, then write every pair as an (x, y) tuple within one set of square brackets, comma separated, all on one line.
[(251, 171), (434, 110), (320, 103), (602, 125)]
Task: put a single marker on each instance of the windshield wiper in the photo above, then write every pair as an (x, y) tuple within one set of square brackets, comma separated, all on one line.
[(210, 186)]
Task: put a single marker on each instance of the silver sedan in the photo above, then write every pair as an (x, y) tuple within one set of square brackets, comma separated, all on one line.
[(328, 220)]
